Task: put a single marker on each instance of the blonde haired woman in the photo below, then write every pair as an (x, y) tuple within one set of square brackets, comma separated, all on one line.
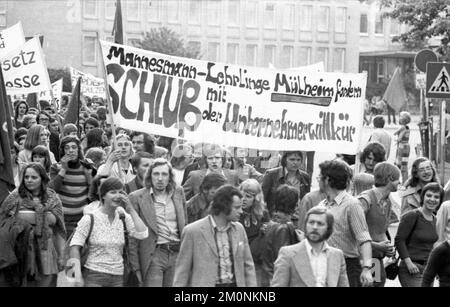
[(122, 154), (253, 217)]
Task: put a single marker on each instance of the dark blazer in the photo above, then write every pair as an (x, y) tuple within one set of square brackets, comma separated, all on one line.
[(141, 251), (192, 185), (273, 178), (191, 167)]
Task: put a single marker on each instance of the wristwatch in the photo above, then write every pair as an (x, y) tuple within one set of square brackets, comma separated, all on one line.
[(367, 267)]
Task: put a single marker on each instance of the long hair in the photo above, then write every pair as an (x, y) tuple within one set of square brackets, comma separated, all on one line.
[(67, 139), (125, 136), (253, 187), (24, 192), (33, 137), (43, 151), (16, 109), (414, 180), (148, 175)]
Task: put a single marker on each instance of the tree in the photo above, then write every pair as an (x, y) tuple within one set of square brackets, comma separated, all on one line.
[(167, 41), (426, 19)]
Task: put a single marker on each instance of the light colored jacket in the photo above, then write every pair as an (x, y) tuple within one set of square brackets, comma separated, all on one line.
[(293, 268), (141, 252), (198, 260)]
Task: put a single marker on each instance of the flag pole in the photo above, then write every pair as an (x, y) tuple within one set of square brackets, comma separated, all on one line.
[(110, 106)]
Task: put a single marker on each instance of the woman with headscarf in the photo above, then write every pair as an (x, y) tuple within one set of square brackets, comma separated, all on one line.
[(34, 203)]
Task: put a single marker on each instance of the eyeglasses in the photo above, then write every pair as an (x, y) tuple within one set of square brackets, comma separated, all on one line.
[(425, 169)]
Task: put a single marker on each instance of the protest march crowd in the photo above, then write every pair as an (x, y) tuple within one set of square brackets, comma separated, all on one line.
[(157, 211), (99, 205)]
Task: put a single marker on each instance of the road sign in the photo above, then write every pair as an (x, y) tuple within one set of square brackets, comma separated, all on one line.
[(423, 57), (438, 80)]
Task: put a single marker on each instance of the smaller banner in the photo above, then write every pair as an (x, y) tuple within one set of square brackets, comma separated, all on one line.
[(11, 39), (24, 69), (90, 86)]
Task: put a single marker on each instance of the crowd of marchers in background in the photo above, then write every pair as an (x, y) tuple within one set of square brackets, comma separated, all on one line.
[(176, 213)]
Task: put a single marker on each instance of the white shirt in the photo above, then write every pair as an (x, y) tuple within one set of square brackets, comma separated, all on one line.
[(318, 263), (178, 175)]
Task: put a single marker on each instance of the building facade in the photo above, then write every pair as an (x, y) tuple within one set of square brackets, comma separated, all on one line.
[(284, 33)]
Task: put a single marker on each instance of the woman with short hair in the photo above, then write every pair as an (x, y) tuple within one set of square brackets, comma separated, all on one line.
[(104, 265), (416, 235)]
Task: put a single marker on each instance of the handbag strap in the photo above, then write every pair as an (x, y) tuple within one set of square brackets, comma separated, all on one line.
[(125, 234), (90, 227)]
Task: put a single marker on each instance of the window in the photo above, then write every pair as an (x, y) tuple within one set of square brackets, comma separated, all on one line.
[(251, 14), (322, 56), (379, 24), (306, 18), (324, 17), (173, 10), (195, 7), (269, 15), (90, 8), (194, 45), (233, 12), (340, 20), (395, 27), (304, 56), (339, 60), (109, 38), (132, 10), (380, 72), (232, 53), (213, 12), (363, 28), (154, 10), (287, 57), (134, 42), (3, 7), (288, 16), (251, 55), (213, 52), (269, 55), (89, 50), (110, 9)]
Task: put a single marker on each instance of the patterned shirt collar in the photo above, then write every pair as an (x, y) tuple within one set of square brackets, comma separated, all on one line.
[(310, 250), (216, 228), (338, 199)]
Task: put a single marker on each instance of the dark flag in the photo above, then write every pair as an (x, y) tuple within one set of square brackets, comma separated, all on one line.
[(73, 110), (6, 142), (118, 26), (32, 101), (395, 94)]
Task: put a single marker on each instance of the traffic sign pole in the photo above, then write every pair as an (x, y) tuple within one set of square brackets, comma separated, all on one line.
[(442, 142)]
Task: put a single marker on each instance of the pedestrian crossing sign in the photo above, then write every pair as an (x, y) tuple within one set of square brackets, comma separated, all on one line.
[(438, 80)]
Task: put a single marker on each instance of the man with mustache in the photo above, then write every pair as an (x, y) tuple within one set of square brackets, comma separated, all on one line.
[(312, 262)]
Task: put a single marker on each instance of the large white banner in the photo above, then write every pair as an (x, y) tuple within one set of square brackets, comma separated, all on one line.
[(24, 69), (11, 39), (90, 86), (234, 105)]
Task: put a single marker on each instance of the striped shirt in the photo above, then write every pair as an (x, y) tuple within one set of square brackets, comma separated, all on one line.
[(73, 190), (350, 227)]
